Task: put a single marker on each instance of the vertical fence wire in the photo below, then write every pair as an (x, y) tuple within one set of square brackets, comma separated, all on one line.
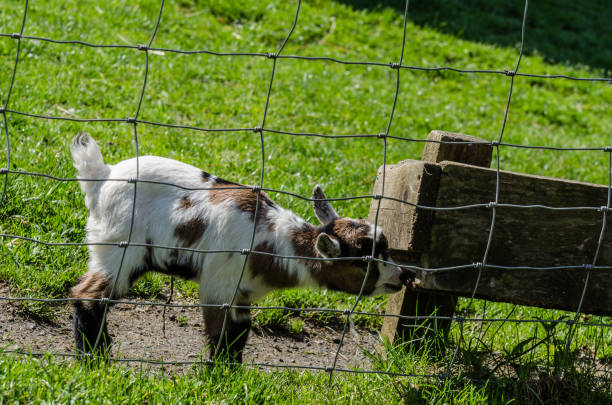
[(589, 267), (8, 98), (493, 205), (262, 174), (135, 181), (378, 198)]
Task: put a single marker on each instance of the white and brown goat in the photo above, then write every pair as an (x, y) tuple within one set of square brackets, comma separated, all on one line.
[(214, 219)]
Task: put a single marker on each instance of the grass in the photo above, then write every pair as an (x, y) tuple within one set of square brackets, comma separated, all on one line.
[(322, 97), (47, 380), (27, 379)]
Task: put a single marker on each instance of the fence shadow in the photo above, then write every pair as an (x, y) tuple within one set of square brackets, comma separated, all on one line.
[(562, 31), (543, 389)]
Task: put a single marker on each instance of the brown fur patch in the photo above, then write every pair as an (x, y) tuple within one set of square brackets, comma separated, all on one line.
[(337, 275), (186, 202), (303, 242), (353, 237), (270, 268), (244, 198), (351, 231), (271, 227), (190, 231), (91, 285)]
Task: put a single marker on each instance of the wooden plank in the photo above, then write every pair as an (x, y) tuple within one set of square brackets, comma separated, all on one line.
[(408, 228), (522, 237), (466, 149)]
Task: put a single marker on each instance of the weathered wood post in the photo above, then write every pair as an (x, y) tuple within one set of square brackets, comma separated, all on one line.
[(547, 232), (408, 229)]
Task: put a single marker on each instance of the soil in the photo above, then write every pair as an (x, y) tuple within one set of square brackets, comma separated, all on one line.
[(137, 333)]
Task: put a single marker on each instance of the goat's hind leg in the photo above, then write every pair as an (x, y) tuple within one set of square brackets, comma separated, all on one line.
[(234, 338), (88, 315)]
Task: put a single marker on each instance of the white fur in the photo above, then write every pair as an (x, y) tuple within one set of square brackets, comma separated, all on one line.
[(157, 215)]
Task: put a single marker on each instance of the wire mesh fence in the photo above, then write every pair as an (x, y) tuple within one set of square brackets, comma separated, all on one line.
[(274, 58)]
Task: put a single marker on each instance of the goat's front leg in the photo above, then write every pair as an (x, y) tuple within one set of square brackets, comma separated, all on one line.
[(236, 333)]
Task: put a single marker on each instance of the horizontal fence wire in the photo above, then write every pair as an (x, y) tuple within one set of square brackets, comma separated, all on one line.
[(299, 310), (308, 58), (476, 265), (178, 363), (261, 130), (491, 204)]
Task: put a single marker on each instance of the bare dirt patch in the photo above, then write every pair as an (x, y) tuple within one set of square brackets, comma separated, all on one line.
[(137, 334)]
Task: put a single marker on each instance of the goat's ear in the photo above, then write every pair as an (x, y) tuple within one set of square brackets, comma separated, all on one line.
[(322, 209), (327, 246)]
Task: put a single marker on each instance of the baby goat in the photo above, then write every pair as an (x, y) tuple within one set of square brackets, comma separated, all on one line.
[(219, 218)]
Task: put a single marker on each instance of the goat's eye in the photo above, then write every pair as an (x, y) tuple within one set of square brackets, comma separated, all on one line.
[(366, 245)]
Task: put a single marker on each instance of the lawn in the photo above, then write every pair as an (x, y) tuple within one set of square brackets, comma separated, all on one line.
[(307, 96)]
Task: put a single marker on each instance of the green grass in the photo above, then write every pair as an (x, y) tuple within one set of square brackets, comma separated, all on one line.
[(30, 380), (230, 92), (25, 379)]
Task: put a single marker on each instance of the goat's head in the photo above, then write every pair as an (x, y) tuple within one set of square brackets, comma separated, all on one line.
[(346, 237)]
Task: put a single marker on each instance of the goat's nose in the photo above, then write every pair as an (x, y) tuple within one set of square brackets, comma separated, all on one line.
[(407, 276)]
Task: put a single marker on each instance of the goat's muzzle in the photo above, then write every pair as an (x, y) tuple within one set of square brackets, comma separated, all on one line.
[(407, 276)]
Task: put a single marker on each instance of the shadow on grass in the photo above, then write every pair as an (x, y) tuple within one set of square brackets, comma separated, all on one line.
[(561, 31), (543, 389), (512, 375), (486, 376)]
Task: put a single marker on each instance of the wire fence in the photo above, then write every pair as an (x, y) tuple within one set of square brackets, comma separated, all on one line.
[(275, 58)]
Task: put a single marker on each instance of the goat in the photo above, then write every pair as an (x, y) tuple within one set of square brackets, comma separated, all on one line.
[(221, 217)]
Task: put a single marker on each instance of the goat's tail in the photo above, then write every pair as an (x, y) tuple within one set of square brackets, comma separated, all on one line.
[(88, 161)]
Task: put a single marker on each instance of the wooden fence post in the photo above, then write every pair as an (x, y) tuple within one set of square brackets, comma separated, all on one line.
[(408, 229)]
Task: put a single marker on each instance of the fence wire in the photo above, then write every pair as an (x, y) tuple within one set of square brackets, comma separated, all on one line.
[(275, 58)]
